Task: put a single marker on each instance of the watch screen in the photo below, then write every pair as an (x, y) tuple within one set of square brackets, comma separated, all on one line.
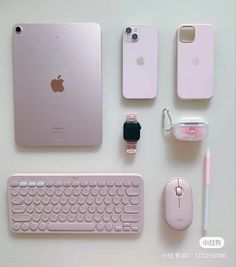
[(131, 131)]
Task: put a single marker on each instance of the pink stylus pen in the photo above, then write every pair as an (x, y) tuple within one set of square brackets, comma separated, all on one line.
[(207, 182)]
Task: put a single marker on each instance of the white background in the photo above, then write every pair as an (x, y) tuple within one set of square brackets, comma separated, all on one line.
[(158, 159)]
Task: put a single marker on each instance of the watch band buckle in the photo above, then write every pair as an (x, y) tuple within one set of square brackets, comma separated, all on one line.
[(131, 148)]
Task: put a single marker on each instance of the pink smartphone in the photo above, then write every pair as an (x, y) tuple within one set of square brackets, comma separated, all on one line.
[(195, 61), (140, 61)]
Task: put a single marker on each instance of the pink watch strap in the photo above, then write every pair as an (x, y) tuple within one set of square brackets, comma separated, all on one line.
[(131, 146)]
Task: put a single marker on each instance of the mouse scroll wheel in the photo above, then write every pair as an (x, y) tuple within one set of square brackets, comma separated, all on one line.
[(179, 192)]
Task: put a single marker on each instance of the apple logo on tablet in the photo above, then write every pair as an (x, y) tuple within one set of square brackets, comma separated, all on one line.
[(57, 84)]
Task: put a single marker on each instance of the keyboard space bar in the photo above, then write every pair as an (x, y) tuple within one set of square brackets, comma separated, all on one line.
[(71, 226)]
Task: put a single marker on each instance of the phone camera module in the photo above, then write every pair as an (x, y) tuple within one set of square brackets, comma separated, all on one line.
[(134, 36), (18, 29), (128, 30)]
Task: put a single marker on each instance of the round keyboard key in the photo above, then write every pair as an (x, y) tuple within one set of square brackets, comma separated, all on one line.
[(88, 217), (46, 200), (103, 191), (94, 191), (23, 191), (75, 184), (32, 191), (116, 200), (74, 208), (107, 200), (42, 226), (100, 226), (97, 217), (36, 217), (39, 208), (84, 184), (30, 208), (16, 226), (99, 200), (101, 184), (134, 200), (115, 217), (80, 217), (92, 208), (28, 200), (118, 228), (106, 217), (109, 184), (125, 200), (81, 200), (58, 184), (40, 184), (34, 226), (66, 184), (63, 200), (53, 217), (136, 184), (23, 184), (109, 226), (62, 217), (68, 191), (49, 184), (118, 208), (45, 217), (50, 191), (135, 228), (15, 191), (83, 208), (48, 208), (57, 208), (66, 208), (25, 226), (92, 183), (112, 191), (14, 184), (120, 192), (118, 184), (127, 184), (72, 200), (59, 191), (90, 200), (37, 200), (77, 191), (100, 209), (85, 192), (31, 184), (71, 217), (55, 200), (109, 209), (41, 191)]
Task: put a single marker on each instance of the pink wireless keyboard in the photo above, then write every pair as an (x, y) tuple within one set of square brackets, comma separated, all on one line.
[(75, 203)]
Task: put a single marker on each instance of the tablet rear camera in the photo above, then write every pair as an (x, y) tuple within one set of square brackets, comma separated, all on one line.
[(18, 29)]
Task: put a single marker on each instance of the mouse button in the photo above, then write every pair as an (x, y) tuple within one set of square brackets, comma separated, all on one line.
[(184, 185)]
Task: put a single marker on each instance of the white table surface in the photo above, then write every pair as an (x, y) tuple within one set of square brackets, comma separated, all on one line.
[(158, 159)]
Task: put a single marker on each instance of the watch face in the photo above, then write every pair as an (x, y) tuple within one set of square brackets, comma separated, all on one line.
[(131, 131)]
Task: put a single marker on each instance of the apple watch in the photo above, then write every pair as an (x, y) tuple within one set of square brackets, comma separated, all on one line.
[(131, 133)]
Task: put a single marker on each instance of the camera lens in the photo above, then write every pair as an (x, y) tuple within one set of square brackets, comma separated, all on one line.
[(18, 29), (128, 30), (135, 37)]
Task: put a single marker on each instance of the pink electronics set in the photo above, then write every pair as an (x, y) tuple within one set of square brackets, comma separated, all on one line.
[(58, 102)]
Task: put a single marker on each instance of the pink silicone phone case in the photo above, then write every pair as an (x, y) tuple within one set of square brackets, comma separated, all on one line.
[(195, 64), (140, 64)]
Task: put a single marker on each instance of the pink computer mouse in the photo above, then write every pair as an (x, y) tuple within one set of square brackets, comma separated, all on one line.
[(178, 204)]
